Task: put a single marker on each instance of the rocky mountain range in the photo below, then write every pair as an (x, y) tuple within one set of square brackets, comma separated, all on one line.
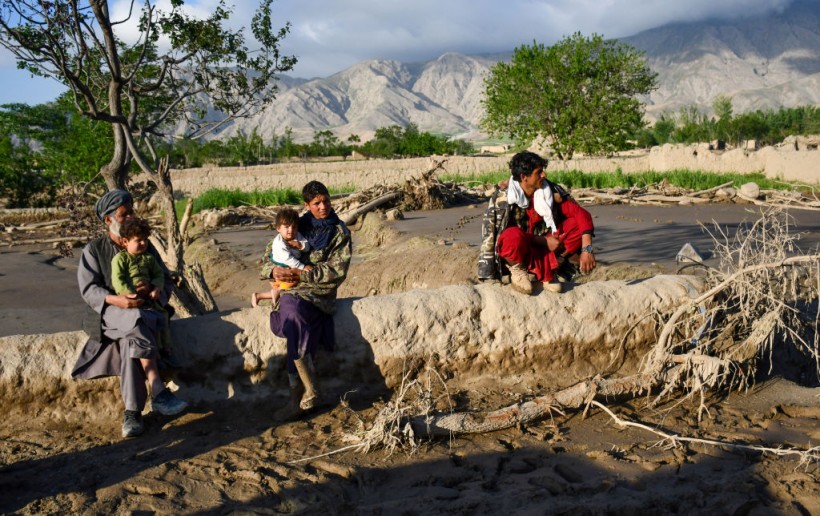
[(760, 62)]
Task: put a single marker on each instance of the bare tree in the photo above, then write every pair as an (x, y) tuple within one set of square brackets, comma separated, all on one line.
[(206, 77)]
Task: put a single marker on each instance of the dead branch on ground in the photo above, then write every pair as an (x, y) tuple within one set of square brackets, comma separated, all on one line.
[(663, 194), (759, 301), (805, 456), (423, 193), (390, 430)]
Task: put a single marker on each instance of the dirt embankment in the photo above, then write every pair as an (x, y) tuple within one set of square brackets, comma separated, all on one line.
[(60, 449)]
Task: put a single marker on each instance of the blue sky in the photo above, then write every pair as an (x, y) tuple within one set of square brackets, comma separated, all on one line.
[(328, 36)]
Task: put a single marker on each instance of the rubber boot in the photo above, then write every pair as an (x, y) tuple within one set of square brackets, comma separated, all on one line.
[(308, 376), (291, 410)]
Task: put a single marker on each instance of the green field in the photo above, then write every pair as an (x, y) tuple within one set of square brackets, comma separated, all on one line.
[(691, 180)]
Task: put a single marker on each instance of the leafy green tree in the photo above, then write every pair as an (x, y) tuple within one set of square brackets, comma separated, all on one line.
[(243, 149), (581, 94), (722, 108), (50, 145), (140, 90), (386, 142), (692, 126), (185, 153), (645, 138), (751, 126), (206, 77), (79, 146), (325, 143), (664, 129), (286, 147), (21, 183)]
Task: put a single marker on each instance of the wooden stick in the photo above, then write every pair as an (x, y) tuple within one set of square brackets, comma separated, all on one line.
[(812, 454), (38, 225), (348, 218), (711, 190), (677, 199), (186, 217)]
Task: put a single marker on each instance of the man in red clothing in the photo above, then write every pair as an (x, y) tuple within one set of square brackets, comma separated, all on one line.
[(546, 227)]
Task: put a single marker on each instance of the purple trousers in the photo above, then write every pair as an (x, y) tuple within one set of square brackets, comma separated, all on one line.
[(304, 326)]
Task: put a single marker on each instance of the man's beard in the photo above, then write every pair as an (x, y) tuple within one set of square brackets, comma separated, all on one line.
[(114, 227)]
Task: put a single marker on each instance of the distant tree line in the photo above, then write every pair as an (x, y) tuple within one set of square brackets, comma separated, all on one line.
[(47, 146), (251, 149), (768, 127)]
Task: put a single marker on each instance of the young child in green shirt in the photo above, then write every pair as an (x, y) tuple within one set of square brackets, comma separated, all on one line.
[(135, 271)]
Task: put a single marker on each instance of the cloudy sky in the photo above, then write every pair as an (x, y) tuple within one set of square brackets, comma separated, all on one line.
[(328, 36)]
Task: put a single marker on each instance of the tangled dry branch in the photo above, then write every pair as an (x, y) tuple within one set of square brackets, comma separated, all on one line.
[(392, 428), (764, 296), (423, 193)]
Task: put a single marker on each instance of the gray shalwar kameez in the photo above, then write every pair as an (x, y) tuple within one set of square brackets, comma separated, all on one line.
[(122, 335)]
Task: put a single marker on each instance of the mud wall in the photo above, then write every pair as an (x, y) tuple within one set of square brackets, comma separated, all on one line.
[(599, 327), (774, 162), (359, 173), (785, 162)]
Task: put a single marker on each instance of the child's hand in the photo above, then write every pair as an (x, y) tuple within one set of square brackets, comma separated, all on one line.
[(294, 244)]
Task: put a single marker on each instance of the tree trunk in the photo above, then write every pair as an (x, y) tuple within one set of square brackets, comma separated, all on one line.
[(173, 241), (572, 397), (191, 294), (115, 172)]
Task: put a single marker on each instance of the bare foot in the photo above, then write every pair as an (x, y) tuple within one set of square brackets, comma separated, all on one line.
[(254, 300)]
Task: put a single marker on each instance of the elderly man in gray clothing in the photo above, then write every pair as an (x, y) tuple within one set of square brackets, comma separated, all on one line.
[(123, 337)]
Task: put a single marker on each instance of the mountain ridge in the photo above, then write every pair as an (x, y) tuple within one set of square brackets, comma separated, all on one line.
[(760, 62)]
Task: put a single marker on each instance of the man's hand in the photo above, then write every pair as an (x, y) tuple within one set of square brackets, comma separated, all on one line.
[(587, 259), (124, 301), (587, 262), (554, 243), (286, 274), (154, 295)]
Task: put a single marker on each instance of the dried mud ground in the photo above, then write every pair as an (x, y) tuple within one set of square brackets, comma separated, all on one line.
[(234, 457)]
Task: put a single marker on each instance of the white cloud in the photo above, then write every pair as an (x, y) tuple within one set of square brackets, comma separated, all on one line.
[(330, 35)]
